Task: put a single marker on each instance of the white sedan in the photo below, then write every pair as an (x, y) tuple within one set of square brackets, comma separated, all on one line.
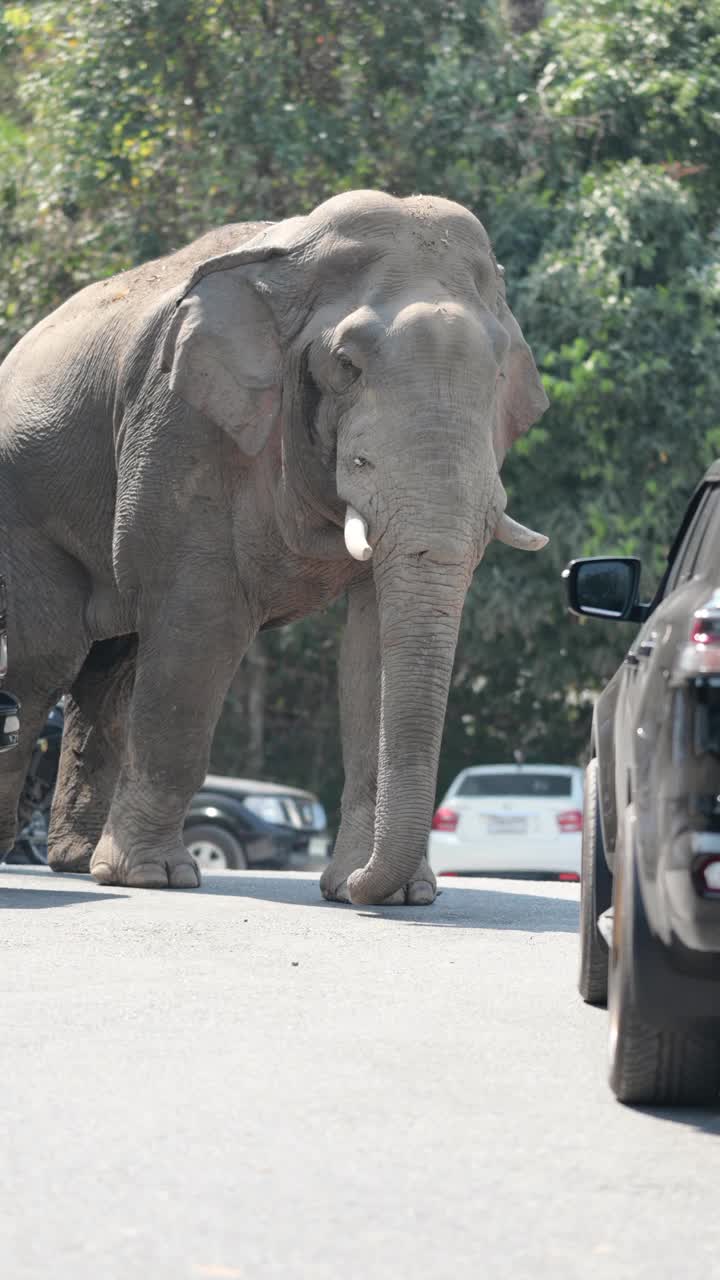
[(505, 819)]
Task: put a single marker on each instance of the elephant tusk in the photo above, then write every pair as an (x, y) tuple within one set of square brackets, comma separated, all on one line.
[(516, 535), (356, 535)]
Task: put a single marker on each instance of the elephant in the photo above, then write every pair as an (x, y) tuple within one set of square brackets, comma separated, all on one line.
[(225, 440)]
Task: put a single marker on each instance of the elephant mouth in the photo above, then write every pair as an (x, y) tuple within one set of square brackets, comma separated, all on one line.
[(440, 560), (507, 530)]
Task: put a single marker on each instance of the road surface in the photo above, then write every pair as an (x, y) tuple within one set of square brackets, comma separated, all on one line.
[(249, 1082)]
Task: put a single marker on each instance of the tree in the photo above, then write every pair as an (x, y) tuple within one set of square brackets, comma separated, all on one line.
[(523, 15)]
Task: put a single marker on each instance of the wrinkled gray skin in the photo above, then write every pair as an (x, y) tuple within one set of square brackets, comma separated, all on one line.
[(177, 448)]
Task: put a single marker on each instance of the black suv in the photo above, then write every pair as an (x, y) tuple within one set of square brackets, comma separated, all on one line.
[(9, 706), (236, 822), (650, 883)]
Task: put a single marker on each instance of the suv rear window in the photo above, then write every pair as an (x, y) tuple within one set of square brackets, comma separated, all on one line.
[(516, 784)]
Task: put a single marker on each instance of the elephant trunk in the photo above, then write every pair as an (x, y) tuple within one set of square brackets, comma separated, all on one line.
[(420, 604)]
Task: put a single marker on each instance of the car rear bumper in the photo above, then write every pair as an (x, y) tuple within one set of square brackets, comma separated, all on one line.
[(677, 803), (671, 853), (505, 854), (694, 920)]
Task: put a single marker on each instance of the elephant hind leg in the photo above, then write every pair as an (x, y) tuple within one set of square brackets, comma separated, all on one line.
[(47, 645), (96, 715)]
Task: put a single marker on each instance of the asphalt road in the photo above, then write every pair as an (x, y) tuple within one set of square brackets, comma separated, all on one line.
[(249, 1082)]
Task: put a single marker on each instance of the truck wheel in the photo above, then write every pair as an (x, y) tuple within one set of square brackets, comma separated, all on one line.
[(214, 848), (649, 1064), (595, 896)]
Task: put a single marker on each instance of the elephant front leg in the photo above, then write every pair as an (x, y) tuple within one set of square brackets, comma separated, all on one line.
[(359, 688), (185, 662)]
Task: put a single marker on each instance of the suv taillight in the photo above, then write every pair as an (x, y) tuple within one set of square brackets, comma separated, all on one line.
[(570, 820), (707, 876), (700, 656), (445, 819)]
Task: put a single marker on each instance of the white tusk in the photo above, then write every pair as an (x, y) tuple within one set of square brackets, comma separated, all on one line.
[(516, 535), (356, 535)]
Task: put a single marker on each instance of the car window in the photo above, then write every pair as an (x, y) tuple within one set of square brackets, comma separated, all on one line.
[(515, 784), (684, 562), (707, 559)]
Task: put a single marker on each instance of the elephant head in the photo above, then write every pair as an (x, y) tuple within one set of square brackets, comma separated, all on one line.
[(373, 340)]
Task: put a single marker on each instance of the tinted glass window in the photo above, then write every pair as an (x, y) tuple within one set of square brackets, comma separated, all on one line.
[(516, 784), (707, 559), (683, 566)]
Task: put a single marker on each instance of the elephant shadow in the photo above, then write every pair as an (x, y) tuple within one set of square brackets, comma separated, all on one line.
[(470, 907), (22, 897)]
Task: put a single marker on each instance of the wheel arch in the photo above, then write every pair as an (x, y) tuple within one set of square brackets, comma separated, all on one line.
[(603, 748)]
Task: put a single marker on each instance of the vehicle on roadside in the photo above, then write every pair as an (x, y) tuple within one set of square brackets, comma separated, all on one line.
[(522, 820), (237, 822), (231, 822), (650, 892), (9, 705), (37, 793)]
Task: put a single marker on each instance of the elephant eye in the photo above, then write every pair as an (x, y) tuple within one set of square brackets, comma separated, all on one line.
[(350, 370)]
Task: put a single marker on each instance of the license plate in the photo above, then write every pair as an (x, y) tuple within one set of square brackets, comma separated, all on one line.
[(501, 826), (318, 846)]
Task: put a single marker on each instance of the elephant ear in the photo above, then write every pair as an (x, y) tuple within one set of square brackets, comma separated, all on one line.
[(521, 398), (222, 350)]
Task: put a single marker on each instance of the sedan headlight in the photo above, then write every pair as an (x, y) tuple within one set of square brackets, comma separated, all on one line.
[(269, 808)]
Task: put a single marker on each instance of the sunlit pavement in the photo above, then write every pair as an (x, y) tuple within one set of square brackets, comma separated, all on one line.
[(249, 1082)]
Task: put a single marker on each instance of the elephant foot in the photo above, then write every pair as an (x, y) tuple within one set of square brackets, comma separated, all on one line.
[(171, 868), (70, 856), (420, 891)]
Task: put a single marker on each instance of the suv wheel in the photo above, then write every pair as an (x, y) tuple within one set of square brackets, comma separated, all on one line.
[(649, 1064), (214, 848), (595, 896)]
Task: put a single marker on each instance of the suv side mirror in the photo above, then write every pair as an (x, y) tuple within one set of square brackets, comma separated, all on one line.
[(605, 587)]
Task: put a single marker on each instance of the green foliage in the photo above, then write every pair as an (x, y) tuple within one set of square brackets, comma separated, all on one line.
[(589, 147), (638, 78)]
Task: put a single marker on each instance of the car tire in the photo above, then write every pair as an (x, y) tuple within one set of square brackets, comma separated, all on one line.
[(595, 896), (215, 848), (648, 1064)]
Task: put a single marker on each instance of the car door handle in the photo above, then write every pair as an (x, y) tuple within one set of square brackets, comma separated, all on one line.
[(645, 649), (632, 659)]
